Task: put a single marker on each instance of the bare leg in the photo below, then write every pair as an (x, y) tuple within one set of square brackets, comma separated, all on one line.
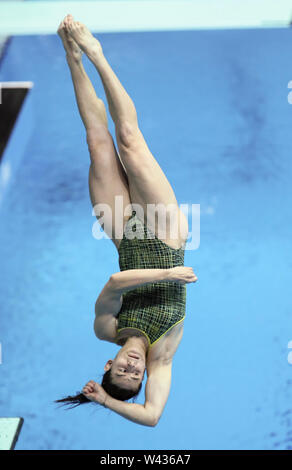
[(91, 108), (147, 182), (121, 106), (107, 177)]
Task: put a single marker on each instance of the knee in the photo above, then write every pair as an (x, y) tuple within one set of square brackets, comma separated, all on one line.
[(101, 151), (127, 133), (97, 137)]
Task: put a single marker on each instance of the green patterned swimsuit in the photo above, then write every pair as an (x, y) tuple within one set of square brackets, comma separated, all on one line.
[(154, 308)]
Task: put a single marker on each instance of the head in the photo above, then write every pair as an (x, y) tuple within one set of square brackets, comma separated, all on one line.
[(127, 369), (122, 378)]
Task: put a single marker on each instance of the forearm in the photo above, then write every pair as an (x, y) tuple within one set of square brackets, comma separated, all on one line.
[(121, 106), (130, 279), (131, 411)]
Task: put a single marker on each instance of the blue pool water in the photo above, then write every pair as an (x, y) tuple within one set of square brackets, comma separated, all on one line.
[(213, 108)]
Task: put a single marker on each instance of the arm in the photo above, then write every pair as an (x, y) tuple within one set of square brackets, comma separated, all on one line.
[(130, 279), (124, 281), (156, 394), (107, 307), (110, 299)]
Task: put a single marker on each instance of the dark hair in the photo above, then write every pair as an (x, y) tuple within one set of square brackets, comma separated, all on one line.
[(113, 390)]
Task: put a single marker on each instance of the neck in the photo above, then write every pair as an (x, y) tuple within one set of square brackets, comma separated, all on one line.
[(127, 334)]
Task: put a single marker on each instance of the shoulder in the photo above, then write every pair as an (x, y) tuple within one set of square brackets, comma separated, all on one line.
[(105, 328)]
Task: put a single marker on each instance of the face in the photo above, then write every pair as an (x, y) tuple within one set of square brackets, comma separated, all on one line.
[(127, 369)]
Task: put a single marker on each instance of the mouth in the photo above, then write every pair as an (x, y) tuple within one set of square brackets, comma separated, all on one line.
[(134, 356)]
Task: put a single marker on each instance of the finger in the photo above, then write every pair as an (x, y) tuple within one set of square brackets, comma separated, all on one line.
[(89, 396), (89, 386)]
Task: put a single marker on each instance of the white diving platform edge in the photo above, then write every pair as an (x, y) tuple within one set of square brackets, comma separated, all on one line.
[(9, 432)]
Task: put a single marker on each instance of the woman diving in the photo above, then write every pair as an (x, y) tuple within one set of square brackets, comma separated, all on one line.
[(142, 307)]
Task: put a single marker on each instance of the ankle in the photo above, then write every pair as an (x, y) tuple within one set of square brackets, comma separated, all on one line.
[(96, 56)]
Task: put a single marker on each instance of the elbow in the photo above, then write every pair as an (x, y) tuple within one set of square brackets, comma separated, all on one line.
[(112, 279), (112, 282), (152, 417), (154, 421)]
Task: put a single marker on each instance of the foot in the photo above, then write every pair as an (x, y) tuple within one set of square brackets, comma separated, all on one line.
[(72, 49), (83, 37)]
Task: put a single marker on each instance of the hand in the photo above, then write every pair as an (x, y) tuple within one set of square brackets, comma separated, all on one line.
[(94, 392), (182, 275)]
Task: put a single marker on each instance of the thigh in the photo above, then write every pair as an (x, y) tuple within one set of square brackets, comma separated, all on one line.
[(148, 185), (109, 191)]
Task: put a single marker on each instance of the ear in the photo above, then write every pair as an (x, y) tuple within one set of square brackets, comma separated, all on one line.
[(108, 365)]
